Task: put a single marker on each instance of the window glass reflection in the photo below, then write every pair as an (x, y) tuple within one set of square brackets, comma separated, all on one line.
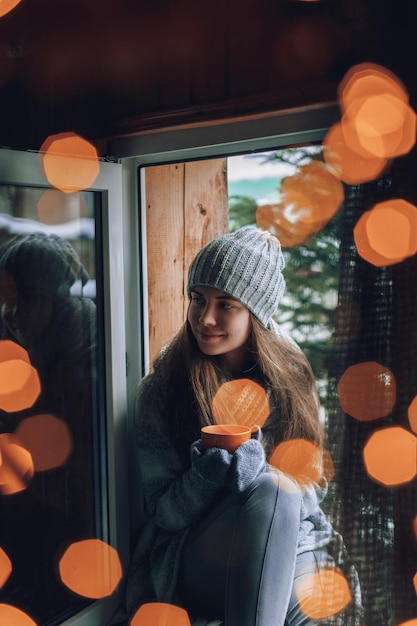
[(48, 435)]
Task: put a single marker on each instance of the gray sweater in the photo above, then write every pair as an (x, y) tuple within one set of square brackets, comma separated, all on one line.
[(178, 493)]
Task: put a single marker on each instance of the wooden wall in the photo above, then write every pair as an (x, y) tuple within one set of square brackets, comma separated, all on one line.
[(100, 67), (186, 206)]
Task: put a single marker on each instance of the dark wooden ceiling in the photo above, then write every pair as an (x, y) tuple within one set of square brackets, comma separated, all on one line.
[(102, 67)]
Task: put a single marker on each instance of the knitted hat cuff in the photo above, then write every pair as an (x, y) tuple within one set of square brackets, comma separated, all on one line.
[(246, 264)]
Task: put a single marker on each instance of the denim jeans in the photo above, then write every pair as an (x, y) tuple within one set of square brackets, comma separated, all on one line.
[(239, 563)]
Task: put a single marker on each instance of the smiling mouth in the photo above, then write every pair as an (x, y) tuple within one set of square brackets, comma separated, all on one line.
[(208, 337)]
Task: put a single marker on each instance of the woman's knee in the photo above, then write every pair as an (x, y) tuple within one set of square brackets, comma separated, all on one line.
[(275, 491)]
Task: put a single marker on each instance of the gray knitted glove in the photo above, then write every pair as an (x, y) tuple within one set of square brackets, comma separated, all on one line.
[(236, 471)]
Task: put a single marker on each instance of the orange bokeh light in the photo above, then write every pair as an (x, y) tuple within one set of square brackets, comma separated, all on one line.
[(312, 195), (19, 385), (56, 207), (160, 614), (377, 120), (91, 568), (379, 126), (47, 438), (5, 567), (9, 351), (70, 162), (367, 391), (309, 199), (390, 456), (299, 459), (366, 79), (16, 467), (410, 622), (240, 401), (323, 594), (415, 582), (7, 5), (412, 415), (387, 233), (272, 217), (346, 164), (12, 616), (328, 466)]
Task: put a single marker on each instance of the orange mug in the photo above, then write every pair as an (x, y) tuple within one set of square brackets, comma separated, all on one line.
[(226, 436)]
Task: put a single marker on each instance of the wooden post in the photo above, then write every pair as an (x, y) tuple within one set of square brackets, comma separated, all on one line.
[(186, 206)]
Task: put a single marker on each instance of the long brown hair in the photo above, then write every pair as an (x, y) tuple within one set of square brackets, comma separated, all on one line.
[(278, 364)]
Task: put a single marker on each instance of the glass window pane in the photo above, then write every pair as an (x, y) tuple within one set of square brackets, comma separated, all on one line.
[(49, 406)]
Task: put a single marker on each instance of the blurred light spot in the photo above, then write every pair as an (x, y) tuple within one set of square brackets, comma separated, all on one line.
[(240, 401), (16, 468), (7, 5), (10, 351), (91, 568), (70, 162), (300, 459), (379, 126), (5, 567), (324, 193), (410, 622), (160, 614), (346, 164), (328, 466), (367, 391), (390, 456), (377, 119), (282, 481), (387, 233), (309, 199), (412, 415), (272, 217), (307, 45), (57, 207), (47, 438), (415, 583), (367, 79), (12, 616), (323, 594), (19, 385)]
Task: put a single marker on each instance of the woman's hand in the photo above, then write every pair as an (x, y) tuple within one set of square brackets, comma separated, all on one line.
[(235, 471)]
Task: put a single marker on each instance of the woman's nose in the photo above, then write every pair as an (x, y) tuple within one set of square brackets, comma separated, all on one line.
[(207, 317)]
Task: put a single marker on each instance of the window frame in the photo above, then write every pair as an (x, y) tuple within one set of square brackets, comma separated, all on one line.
[(214, 139), (23, 168)]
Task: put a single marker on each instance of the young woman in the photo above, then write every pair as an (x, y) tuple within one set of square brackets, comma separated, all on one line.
[(223, 536)]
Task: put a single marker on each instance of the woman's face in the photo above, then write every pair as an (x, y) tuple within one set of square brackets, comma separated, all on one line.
[(220, 324)]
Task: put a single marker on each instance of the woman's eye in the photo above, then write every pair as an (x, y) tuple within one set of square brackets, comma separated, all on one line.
[(197, 300), (226, 305)]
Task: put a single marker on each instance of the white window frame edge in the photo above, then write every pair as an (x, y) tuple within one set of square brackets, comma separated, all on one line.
[(223, 137)]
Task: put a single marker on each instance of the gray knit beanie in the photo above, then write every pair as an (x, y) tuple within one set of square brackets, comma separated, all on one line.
[(42, 262), (246, 264)]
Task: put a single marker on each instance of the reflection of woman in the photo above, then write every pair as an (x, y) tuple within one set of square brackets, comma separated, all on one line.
[(39, 313), (222, 535), (58, 331)]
